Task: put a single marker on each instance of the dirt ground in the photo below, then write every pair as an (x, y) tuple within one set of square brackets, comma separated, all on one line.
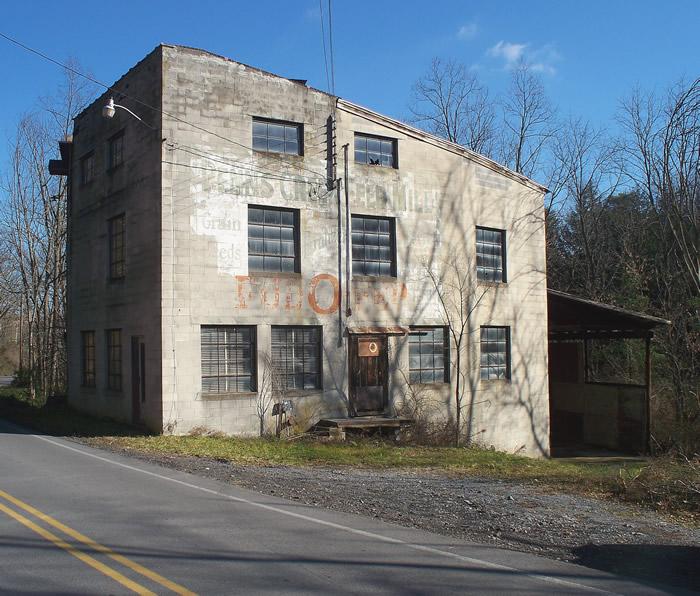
[(591, 532)]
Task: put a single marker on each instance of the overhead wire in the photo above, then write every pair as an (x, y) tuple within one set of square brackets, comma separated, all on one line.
[(143, 103), (325, 55), (330, 42)]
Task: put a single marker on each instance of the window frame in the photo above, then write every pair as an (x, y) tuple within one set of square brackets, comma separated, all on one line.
[(88, 374), (286, 123), (504, 256), (115, 357), (508, 344), (116, 273), (89, 157), (253, 361), (447, 363), (394, 144), (392, 246), (296, 236), (319, 356), (118, 136)]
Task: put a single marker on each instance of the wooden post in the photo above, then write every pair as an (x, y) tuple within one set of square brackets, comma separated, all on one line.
[(647, 383)]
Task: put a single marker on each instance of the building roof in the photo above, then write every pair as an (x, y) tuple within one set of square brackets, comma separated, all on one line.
[(573, 317)]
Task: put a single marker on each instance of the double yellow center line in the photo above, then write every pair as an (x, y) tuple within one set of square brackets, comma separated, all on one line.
[(93, 546)]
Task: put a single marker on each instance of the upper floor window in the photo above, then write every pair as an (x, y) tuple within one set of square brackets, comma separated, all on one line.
[(228, 359), (296, 357), (87, 358), (273, 239), (115, 153), (373, 248), (490, 254), (375, 151), (277, 137), (428, 355), (495, 353), (117, 247), (87, 168), (114, 359)]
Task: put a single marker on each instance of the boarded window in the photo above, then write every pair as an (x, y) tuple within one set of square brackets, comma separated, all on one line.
[(375, 151), (373, 246), (87, 168), (228, 359), (273, 239), (277, 137), (296, 357), (114, 359), (429, 355), (490, 254), (116, 150), (87, 358), (117, 248), (495, 353)]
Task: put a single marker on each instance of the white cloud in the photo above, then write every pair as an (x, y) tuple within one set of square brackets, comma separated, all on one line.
[(510, 52), (541, 59), (467, 31)]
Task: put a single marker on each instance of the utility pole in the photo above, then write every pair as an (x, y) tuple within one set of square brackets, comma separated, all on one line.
[(348, 308)]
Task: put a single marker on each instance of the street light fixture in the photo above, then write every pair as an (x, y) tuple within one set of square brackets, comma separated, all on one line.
[(110, 109)]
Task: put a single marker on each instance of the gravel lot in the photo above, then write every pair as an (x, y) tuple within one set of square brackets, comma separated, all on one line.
[(591, 532)]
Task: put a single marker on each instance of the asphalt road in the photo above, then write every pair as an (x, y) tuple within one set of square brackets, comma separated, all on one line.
[(76, 520)]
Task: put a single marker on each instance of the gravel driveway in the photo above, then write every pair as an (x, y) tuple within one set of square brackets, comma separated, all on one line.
[(595, 533)]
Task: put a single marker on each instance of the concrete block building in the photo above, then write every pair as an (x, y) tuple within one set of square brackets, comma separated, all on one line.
[(246, 227)]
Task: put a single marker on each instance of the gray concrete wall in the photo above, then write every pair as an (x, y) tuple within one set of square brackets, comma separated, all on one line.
[(134, 188), (437, 196)]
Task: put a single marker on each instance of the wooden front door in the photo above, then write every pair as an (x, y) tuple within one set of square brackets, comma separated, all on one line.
[(368, 374)]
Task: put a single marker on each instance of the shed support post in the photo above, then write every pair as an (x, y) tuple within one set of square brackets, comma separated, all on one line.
[(647, 384)]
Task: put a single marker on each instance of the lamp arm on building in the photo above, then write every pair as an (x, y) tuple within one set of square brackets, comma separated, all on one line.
[(110, 108)]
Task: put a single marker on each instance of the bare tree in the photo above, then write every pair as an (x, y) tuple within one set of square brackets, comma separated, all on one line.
[(269, 391), (528, 121), (458, 296), (591, 169), (663, 152), (33, 222), (450, 102)]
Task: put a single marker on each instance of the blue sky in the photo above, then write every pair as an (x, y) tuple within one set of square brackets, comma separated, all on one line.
[(590, 53)]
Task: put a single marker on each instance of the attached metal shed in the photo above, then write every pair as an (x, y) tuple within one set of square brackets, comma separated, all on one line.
[(586, 414)]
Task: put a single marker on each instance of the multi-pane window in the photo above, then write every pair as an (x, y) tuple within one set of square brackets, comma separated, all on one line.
[(115, 155), (428, 355), (117, 248), (273, 241), (228, 359), (296, 357), (277, 137), (495, 352), (87, 168), (114, 359), (87, 358), (375, 151), (490, 254), (373, 246)]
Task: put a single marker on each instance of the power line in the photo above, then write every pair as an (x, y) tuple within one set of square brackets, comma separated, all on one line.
[(330, 43), (325, 55), (252, 172), (142, 103), (231, 162)]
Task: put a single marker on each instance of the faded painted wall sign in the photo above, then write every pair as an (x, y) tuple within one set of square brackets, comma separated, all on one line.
[(226, 219), (321, 293)]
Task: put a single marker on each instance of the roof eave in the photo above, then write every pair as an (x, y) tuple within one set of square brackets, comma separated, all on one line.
[(412, 131)]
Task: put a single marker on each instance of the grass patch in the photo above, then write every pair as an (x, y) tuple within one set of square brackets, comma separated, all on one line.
[(668, 484)]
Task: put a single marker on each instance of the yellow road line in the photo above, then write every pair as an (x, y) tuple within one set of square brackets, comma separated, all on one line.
[(85, 558), (152, 575)]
